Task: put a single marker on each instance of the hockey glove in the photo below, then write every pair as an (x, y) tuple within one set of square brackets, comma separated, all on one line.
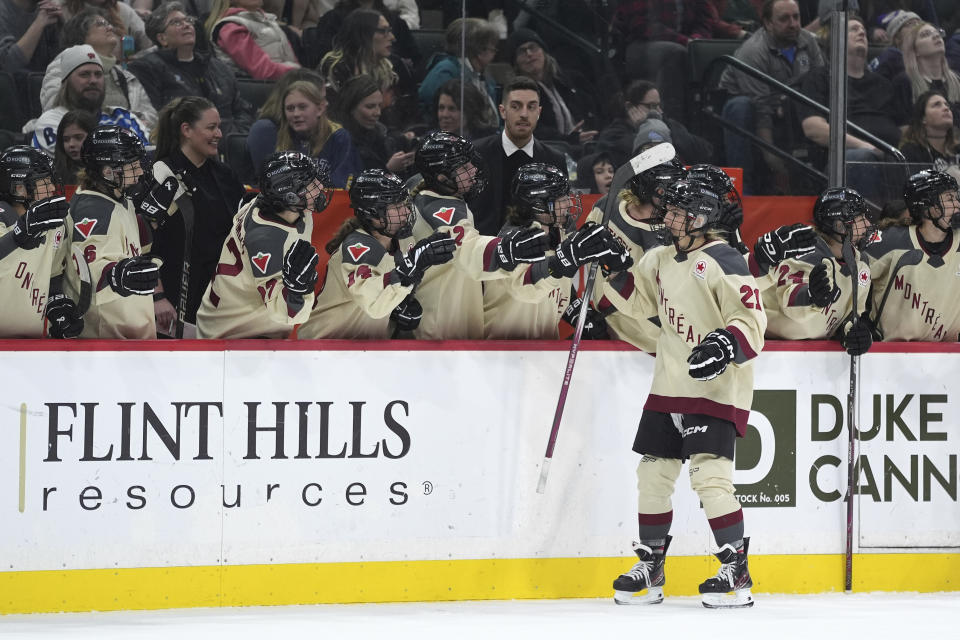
[(788, 241), (619, 258), (153, 200), (856, 337), (590, 242), (594, 327), (710, 358), (134, 276), (521, 245), (435, 249), (300, 268), (407, 315), (63, 317), (40, 217), (822, 284)]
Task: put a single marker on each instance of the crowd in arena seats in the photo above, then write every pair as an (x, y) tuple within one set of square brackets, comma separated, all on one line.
[(358, 85)]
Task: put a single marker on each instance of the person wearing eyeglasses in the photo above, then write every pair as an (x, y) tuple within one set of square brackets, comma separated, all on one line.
[(123, 17), (177, 69), (642, 121), (92, 26), (249, 40)]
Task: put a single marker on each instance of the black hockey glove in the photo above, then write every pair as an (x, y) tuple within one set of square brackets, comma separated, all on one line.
[(710, 358), (407, 314), (856, 337), (300, 268), (522, 245), (594, 327), (42, 216), (63, 317), (435, 249), (619, 258), (153, 200), (788, 241), (823, 285), (590, 242), (134, 276)]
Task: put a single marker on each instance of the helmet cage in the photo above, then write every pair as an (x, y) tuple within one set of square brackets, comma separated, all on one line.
[(840, 212), (922, 193), (23, 165), (696, 200), (293, 181)]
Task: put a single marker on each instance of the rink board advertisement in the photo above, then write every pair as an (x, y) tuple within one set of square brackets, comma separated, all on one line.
[(218, 459)]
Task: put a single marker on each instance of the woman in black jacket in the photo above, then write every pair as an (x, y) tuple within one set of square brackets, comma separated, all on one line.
[(187, 136)]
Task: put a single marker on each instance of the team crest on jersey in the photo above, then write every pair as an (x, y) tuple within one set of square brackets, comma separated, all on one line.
[(260, 261), (864, 278), (85, 227), (876, 236), (445, 215), (57, 238), (357, 250), (700, 269)]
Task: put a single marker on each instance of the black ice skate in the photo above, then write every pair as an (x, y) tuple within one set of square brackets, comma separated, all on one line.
[(730, 588), (646, 575)]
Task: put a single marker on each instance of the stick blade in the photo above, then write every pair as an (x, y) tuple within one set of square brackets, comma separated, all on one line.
[(652, 157)]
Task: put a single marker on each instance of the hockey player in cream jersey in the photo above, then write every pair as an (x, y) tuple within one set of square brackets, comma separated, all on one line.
[(529, 303), (114, 235), (712, 324), (33, 248), (916, 268), (368, 290), (809, 297), (451, 294), (264, 283)]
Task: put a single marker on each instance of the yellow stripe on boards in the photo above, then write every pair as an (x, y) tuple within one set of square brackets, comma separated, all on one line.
[(491, 579)]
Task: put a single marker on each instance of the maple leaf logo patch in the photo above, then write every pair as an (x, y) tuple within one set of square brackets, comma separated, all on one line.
[(85, 227), (864, 278), (445, 215), (700, 269), (357, 250), (260, 261), (57, 238)]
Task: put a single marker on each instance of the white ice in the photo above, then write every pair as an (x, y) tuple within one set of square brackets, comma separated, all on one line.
[(774, 617)]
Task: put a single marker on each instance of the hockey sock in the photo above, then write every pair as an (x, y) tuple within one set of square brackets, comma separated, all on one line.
[(654, 527)]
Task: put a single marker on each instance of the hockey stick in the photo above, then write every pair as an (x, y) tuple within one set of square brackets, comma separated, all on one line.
[(86, 282), (185, 204), (850, 259), (647, 160), (907, 259)]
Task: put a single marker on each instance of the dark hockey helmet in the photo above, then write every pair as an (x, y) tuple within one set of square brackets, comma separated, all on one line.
[(114, 147), (23, 165), (732, 206), (381, 202), (541, 192), (439, 157), (287, 183), (695, 199), (923, 190), (845, 206)]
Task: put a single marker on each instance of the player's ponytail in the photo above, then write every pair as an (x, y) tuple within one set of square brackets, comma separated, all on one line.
[(349, 226)]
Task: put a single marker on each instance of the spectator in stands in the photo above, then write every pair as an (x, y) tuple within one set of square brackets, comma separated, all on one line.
[(595, 172), (450, 115), (925, 69), (249, 40), (29, 34), (320, 40), (890, 61), (506, 152), (364, 45), (176, 68), (187, 136), (121, 15), (784, 51), (481, 47), (569, 110), (930, 139), (642, 121), (304, 127), (123, 89), (869, 105), (358, 108), (654, 35), (82, 89), (74, 128)]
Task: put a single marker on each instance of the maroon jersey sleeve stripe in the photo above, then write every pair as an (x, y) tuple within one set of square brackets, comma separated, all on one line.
[(745, 348), (104, 281)]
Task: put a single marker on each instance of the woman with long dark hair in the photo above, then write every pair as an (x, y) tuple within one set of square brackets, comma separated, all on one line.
[(359, 107), (74, 128), (208, 191), (931, 136)]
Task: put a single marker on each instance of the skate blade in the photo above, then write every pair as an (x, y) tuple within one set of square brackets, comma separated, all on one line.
[(654, 595), (735, 600)]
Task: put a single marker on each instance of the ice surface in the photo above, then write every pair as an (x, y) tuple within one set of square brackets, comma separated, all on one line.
[(775, 617)]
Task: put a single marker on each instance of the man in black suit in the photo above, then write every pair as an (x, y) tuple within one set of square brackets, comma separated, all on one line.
[(504, 153)]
